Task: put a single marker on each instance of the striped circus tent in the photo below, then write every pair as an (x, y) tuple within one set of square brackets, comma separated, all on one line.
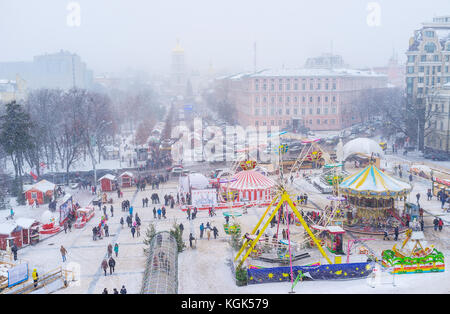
[(251, 185), (372, 182)]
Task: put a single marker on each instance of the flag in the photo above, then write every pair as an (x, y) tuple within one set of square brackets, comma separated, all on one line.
[(43, 165), (33, 175)]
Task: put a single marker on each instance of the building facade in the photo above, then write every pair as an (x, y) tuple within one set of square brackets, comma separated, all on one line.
[(427, 70), (438, 129), (63, 70), (318, 99)]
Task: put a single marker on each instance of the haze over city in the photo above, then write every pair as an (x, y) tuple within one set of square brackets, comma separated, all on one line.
[(118, 35)]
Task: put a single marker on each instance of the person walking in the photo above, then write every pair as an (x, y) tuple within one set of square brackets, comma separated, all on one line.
[(440, 224), (116, 249), (115, 291), (35, 277), (112, 264), (111, 209), (154, 212), (191, 238), (123, 290), (106, 227), (121, 222), (202, 228), (63, 253), (163, 212), (133, 230), (109, 250), (138, 230), (105, 291), (129, 221), (65, 227), (429, 195), (94, 233), (14, 250), (131, 211), (435, 223), (396, 231), (159, 213), (104, 265), (215, 232), (418, 197)]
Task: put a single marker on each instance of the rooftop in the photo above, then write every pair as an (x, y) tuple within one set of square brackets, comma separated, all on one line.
[(300, 72)]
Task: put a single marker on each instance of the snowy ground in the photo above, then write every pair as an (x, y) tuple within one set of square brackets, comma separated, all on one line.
[(206, 269)]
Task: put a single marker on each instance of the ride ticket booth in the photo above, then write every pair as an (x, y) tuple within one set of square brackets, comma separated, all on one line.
[(333, 238)]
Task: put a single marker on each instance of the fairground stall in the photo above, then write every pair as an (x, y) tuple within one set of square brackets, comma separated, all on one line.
[(22, 232), (250, 186), (378, 200), (108, 183), (126, 179), (40, 193)]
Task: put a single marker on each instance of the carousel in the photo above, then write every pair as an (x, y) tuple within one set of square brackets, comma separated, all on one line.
[(373, 202)]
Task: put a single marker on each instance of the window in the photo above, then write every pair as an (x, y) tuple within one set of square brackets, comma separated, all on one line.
[(256, 86), (311, 87), (326, 86), (295, 111), (303, 111), (318, 121), (410, 69), (318, 111), (439, 68), (303, 98), (256, 99), (447, 57), (421, 69), (325, 121), (420, 79), (304, 86), (256, 123), (287, 110), (430, 47), (310, 110), (272, 86), (280, 112), (265, 86), (264, 111), (333, 121), (296, 86), (333, 109), (280, 99), (436, 57), (326, 98), (334, 98), (326, 110), (265, 99), (334, 85), (318, 86), (310, 99), (318, 99), (272, 122), (288, 99), (272, 100), (429, 34), (296, 99), (411, 58), (280, 122), (256, 112), (423, 58)]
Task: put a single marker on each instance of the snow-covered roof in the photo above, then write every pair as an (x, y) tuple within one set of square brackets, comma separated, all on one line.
[(42, 185), (316, 72), (25, 223), (107, 176), (7, 227), (127, 173)]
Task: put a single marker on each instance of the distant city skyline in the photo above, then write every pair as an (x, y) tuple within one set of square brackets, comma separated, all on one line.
[(114, 36)]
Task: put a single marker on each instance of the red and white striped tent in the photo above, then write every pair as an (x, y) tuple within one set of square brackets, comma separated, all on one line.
[(251, 185)]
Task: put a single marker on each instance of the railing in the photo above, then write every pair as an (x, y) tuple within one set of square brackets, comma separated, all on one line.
[(47, 278)]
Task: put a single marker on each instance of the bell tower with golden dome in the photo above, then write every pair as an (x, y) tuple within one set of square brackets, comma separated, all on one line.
[(178, 78)]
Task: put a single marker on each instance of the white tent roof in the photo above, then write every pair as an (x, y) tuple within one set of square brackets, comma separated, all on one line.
[(198, 181), (362, 145)]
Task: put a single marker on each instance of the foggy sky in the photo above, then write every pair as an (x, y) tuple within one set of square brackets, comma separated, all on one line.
[(115, 35)]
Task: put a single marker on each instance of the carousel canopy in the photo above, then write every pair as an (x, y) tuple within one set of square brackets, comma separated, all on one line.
[(371, 181), (251, 180), (363, 146)]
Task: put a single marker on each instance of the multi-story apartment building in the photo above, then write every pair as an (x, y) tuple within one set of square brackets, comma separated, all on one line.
[(318, 99), (438, 129), (12, 90), (63, 70), (427, 68)]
